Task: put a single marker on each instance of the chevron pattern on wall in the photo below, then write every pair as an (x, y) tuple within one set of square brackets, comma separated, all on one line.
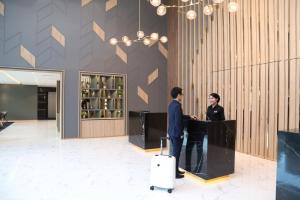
[(153, 76), (72, 35), (110, 4), (85, 2), (163, 50), (142, 94), (58, 36), (99, 31), (121, 53), (152, 42), (2, 8), (27, 56)]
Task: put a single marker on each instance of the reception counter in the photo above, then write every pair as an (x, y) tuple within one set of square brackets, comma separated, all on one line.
[(209, 148), (146, 129), (288, 165)]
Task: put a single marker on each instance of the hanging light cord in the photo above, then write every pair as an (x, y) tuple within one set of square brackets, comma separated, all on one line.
[(139, 15)]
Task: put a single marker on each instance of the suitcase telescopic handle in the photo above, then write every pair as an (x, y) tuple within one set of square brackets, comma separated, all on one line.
[(161, 144)]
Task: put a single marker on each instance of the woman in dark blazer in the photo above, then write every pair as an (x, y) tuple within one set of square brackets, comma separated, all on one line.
[(215, 112)]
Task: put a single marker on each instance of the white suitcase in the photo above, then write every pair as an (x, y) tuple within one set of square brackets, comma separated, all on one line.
[(162, 170)]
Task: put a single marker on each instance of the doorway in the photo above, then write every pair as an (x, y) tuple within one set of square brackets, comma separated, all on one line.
[(31, 96)]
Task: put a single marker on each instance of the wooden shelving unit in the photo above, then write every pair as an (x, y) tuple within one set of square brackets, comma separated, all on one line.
[(102, 104)]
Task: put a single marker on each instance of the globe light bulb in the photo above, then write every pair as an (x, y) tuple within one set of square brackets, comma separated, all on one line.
[(113, 41), (218, 1), (128, 43), (154, 36), (191, 14), (208, 9), (140, 34), (155, 3), (164, 39), (161, 10), (146, 41), (125, 39), (233, 6)]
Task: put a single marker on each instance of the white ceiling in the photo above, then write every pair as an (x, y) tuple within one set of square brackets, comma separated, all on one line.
[(39, 78)]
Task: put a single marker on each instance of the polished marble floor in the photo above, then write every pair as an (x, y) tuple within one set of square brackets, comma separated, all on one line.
[(36, 165)]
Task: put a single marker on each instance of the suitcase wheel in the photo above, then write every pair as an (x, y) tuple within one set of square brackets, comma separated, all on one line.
[(151, 187), (170, 190)]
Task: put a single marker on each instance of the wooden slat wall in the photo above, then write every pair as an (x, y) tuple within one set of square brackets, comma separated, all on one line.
[(252, 59)]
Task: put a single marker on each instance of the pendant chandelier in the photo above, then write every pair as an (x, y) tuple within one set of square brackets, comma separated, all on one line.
[(208, 7), (140, 36)]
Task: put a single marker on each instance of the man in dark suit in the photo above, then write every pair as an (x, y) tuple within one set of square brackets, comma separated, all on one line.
[(175, 129)]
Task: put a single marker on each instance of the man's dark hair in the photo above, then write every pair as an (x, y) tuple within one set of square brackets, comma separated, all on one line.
[(175, 92), (216, 96)]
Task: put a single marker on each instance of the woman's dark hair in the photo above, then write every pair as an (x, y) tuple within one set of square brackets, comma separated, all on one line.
[(175, 92), (216, 96)]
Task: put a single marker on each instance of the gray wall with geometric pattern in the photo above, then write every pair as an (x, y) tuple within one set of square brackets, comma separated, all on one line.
[(59, 34)]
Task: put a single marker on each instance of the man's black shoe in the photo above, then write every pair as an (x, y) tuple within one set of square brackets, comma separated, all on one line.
[(180, 172), (178, 176)]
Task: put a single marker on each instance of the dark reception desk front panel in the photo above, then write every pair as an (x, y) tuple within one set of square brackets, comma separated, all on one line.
[(209, 148), (146, 129), (288, 165)]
